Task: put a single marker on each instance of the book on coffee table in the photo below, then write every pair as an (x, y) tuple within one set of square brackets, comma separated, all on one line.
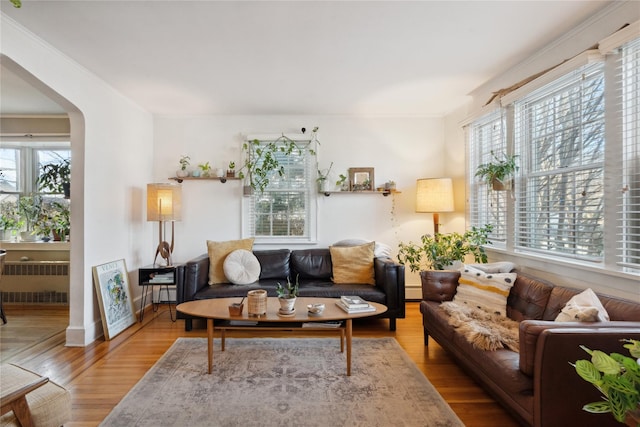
[(354, 301), (352, 310)]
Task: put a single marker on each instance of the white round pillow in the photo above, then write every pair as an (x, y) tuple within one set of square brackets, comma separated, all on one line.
[(241, 267)]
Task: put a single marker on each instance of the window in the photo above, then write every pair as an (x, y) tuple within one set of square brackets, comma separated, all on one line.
[(576, 132), (628, 70), (487, 136), (559, 136), (284, 211)]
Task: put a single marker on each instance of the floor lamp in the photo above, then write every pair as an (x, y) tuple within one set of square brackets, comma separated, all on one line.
[(434, 195), (164, 203)]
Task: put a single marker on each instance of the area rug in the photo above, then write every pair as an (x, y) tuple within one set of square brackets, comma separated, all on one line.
[(283, 382)]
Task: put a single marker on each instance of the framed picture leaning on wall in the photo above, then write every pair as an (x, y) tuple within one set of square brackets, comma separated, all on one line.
[(114, 297)]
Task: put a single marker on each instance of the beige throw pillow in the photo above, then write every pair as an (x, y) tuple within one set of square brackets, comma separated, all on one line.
[(353, 264), (486, 291), (218, 251)]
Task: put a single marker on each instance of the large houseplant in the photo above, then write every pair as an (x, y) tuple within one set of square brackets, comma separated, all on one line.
[(617, 377), (441, 251), (499, 172), (29, 208), (56, 177)]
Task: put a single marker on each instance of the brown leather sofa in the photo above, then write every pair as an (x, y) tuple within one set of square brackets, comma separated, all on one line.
[(538, 386), (313, 267)]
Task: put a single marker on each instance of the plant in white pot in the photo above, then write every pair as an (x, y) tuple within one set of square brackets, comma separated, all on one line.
[(184, 162), (29, 208), (287, 296)]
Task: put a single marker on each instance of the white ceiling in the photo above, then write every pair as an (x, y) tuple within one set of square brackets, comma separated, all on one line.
[(301, 57)]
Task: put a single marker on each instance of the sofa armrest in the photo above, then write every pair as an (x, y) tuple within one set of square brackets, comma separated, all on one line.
[(194, 278), (530, 331), (389, 277), (439, 285), (555, 379)]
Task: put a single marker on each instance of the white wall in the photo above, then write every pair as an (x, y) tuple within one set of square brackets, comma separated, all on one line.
[(111, 143), (581, 38), (400, 149)]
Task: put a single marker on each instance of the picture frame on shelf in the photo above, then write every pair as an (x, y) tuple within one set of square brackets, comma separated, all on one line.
[(361, 179), (114, 297)]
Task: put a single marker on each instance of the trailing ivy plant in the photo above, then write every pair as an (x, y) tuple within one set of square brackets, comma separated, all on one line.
[(440, 251), (261, 159)]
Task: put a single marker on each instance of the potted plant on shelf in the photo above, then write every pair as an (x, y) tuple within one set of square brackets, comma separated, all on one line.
[(342, 182), (322, 178), (205, 169), (56, 178), (287, 296), (231, 170), (442, 251), (184, 162), (498, 174), (29, 208), (617, 377), (61, 219), (9, 219)]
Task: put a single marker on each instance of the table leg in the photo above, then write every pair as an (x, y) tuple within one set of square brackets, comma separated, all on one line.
[(349, 332), (222, 339), (341, 340), (210, 343)]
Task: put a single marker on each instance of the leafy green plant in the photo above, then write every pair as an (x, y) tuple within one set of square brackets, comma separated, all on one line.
[(323, 174), (9, 216), (289, 291), (499, 169), (261, 159), (617, 377), (184, 162), (29, 208), (342, 178), (440, 251), (55, 176)]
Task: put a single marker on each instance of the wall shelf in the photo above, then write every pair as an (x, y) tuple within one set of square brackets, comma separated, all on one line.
[(385, 193), (222, 179)]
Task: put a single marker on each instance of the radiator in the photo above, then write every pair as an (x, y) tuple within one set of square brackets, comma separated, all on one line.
[(47, 273), (36, 268)]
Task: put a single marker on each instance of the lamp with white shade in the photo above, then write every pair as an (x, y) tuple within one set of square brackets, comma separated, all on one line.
[(164, 203), (434, 195)]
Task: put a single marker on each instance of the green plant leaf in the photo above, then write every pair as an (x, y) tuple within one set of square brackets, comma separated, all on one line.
[(605, 363), (597, 407), (588, 372)]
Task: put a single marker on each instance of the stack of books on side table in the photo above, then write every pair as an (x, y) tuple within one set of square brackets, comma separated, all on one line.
[(354, 304), (160, 278)]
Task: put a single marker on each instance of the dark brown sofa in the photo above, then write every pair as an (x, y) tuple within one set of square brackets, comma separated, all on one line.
[(538, 386), (313, 268)]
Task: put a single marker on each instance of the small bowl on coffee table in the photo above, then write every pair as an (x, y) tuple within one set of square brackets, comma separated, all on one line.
[(315, 309)]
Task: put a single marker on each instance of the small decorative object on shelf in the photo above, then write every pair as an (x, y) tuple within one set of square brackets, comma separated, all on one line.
[(231, 171), (184, 162), (361, 179), (206, 169)]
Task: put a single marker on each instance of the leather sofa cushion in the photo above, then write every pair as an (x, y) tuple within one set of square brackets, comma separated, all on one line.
[(528, 298), (274, 264), (439, 285), (311, 264)]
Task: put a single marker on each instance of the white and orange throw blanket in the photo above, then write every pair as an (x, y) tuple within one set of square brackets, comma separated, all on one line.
[(486, 331)]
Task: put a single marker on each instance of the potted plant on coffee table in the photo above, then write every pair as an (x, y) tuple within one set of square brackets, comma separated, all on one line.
[(287, 295)]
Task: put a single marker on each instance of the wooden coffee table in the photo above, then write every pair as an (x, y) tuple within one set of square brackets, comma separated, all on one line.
[(218, 308)]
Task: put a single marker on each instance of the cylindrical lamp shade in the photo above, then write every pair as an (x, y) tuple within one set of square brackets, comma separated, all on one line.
[(164, 202), (434, 195)]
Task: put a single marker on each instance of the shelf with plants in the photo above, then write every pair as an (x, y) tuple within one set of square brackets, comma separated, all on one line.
[(222, 179), (385, 193)]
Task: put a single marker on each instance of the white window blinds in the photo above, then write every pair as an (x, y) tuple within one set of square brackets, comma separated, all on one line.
[(559, 136), (486, 137), (283, 211), (628, 71)]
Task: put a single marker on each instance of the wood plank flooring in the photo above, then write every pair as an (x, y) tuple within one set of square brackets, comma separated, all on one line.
[(99, 375)]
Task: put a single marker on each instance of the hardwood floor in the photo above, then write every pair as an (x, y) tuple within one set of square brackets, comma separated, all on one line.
[(99, 375)]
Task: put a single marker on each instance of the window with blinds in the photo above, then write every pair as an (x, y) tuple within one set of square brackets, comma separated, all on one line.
[(486, 137), (628, 70), (283, 211), (559, 137)]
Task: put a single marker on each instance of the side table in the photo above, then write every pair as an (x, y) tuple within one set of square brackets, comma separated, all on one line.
[(157, 275)]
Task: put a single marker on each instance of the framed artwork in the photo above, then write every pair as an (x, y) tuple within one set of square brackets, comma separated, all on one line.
[(361, 179), (114, 297)]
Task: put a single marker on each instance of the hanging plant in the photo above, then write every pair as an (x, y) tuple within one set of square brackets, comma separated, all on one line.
[(498, 173)]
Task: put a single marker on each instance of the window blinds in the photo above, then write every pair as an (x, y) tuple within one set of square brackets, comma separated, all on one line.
[(559, 135), (283, 209), (487, 136), (628, 71)]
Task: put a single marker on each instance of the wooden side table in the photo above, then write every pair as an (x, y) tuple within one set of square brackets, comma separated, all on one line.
[(157, 275)]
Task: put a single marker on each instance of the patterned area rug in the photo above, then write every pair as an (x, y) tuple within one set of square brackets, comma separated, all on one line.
[(283, 382)]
